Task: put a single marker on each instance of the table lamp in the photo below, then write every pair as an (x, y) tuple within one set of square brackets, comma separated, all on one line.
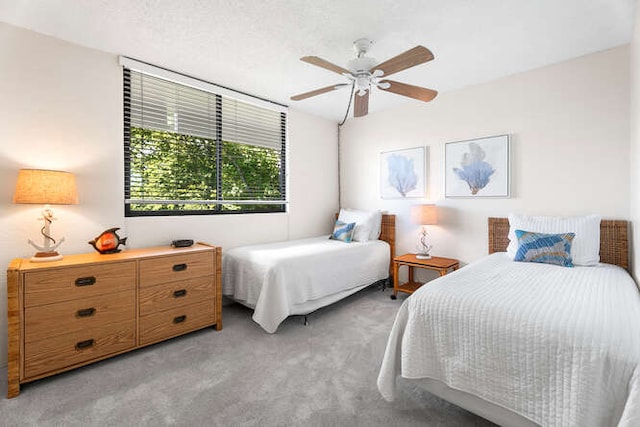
[(424, 215), (47, 187)]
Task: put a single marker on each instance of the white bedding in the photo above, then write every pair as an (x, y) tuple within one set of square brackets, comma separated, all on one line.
[(558, 346), (299, 276)]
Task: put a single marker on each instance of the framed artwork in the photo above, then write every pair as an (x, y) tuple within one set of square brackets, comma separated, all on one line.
[(478, 168), (402, 173)]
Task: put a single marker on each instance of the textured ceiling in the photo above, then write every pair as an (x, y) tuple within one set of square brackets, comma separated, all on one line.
[(254, 46)]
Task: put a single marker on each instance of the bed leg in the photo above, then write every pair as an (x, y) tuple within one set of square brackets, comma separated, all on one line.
[(305, 320)]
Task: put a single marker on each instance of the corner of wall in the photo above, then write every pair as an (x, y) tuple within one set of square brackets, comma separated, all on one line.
[(635, 145)]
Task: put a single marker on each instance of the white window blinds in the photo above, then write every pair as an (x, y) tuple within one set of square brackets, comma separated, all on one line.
[(191, 148)]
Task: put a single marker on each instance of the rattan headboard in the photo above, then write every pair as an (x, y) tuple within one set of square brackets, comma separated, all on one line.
[(388, 234), (614, 240)]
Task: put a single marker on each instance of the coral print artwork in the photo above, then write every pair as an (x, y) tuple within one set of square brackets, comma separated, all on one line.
[(478, 168), (474, 170), (402, 173)]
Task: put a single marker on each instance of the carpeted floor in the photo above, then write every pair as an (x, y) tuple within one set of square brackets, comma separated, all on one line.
[(322, 374)]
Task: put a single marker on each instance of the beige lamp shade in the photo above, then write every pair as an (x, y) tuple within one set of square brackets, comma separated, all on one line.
[(424, 214), (45, 187)]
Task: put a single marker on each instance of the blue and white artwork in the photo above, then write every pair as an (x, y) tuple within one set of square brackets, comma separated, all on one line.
[(478, 167), (402, 173)]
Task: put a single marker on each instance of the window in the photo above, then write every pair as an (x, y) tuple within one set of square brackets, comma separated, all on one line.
[(191, 147)]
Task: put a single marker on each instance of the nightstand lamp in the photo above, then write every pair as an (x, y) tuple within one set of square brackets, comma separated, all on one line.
[(424, 215), (47, 187)]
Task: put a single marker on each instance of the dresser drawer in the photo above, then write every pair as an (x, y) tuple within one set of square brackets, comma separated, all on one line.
[(175, 294), (54, 353), (65, 284), (175, 268), (66, 317), (169, 323)]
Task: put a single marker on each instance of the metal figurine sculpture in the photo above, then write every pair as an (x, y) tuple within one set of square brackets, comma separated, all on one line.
[(47, 252), (423, 246)]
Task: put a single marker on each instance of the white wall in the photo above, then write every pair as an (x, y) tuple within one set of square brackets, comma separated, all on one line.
[(635, 145), (61, 108), (569, 127)]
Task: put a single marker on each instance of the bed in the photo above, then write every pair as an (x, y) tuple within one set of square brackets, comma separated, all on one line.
[(297, 277), (525, 344)]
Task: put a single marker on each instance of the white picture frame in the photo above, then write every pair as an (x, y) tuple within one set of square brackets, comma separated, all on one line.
[(402, 173), (478, 168)]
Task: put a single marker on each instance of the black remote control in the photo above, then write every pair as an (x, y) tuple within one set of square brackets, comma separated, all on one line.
[(182, 243)]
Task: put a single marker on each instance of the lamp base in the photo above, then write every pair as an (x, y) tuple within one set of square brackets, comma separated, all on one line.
[(423, 256), (46, 256)]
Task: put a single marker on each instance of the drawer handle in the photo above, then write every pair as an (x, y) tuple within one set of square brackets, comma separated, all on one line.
[(179, 319), (179, 293), (86, 312), (85, 281), (84, 344), (180, 267)]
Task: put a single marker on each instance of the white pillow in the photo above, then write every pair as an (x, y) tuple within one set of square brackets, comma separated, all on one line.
[(377, 225), (585, 249), (367, 223)]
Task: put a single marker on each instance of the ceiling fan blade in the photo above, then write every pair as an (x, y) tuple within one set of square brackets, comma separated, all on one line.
[(319, 62), (318, 91), (412, 57), (415, 92), (361, 107)]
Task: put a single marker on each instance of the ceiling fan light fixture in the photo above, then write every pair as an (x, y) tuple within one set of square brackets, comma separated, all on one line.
[(363, 73), (363, 81), (361, 64)]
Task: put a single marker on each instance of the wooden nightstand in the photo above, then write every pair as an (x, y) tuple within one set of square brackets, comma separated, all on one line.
[(441, 265)]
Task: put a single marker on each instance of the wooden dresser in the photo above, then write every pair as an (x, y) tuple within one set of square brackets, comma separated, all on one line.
[(88, 307)]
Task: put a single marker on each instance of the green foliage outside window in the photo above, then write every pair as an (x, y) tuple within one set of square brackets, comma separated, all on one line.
[(172, 167)]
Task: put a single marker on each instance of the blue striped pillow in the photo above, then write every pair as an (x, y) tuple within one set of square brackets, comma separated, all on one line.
[(343, 231), (544, 248)]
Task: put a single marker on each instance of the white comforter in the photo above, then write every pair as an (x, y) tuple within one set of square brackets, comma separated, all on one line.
[(559, 346), (278, 279)]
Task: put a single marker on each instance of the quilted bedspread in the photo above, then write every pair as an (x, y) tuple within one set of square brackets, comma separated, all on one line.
[(559, 346)]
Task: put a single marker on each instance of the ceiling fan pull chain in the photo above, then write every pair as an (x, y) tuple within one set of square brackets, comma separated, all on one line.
[(346, 114)]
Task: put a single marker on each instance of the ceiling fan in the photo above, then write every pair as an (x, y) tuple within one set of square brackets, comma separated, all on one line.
[(363, 74)]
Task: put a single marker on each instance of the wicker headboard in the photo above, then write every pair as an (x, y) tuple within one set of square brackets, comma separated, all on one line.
[(388, 234), (614, 240)]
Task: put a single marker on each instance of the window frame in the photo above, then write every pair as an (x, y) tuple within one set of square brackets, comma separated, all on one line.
[(276, 206)]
